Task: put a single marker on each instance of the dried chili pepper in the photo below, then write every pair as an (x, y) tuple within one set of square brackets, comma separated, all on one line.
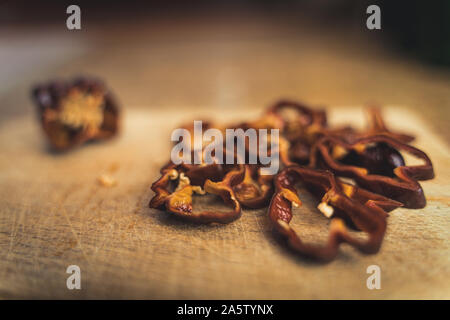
[(376, 165), (179, 200), (255, 190), (304, 126), (366, 211), (371, 157), (378, 127), (77, 111)]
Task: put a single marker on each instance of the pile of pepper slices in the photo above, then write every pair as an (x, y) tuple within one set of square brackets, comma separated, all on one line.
[(359, 176)]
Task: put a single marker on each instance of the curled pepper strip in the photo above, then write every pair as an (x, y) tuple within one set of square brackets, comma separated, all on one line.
[(196, 175), (306, 125), (366, 212), (161, 186), (402, 186), (255, 190), (179, 201), (378, 127)]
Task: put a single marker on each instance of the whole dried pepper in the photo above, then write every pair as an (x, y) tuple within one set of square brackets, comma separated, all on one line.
[(77, 111)]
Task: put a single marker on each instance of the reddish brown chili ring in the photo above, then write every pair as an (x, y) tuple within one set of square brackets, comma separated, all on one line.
[(170, 175), (75, 112), (162, 185), (306, 125), (401, 186), (255, 190), (301, 133), (378, 127), (365, 212), (179, 201)]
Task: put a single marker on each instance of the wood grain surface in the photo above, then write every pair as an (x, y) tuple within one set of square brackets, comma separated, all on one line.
[(166, 70), (54, 214)]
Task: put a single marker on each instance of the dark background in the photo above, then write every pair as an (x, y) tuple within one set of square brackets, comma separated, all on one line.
[(420, 28)]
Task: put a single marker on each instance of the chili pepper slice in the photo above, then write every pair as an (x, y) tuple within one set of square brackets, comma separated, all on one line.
[(179, 201), (402, 185), (366, 211)]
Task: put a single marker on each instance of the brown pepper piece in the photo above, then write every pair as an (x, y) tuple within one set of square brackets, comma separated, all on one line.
[(364, 209), (380, 158), (378, 127), (74, 112), (305, 123), (179, 200), (402, 185), (371, 157), (255, 190)]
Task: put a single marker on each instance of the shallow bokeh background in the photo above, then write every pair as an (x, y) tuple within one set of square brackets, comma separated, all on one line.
[(171, 62), (233, 54)]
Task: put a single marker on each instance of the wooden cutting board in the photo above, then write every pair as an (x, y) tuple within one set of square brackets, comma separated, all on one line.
[(54, 214)]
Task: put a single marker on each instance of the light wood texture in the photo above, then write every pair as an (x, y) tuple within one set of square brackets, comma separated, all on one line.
[(54, 214), (169, 69)]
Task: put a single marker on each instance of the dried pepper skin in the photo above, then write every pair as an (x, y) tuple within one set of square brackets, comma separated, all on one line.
[(179, 200), (74, 112), (319, 157), (308, 122), (378, 127), (255, 190), (381, 159), (401, 184), (364, 209)]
